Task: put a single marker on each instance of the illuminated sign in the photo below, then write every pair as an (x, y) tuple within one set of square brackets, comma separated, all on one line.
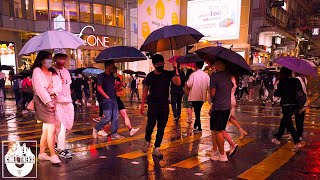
[(216, 19), (92, 40), (315, 31)]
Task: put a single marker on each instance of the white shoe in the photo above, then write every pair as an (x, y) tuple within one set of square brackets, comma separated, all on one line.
[(275, 141), (44, 157), (94, 133), (133, 131), (88, 104), (96, 119), (212, 153), (116, 136), (102, 133), (219, 157), (55, 159)]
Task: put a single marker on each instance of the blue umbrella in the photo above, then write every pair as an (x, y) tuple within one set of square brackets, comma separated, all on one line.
[(190, 58), (92, 72), (120, 54), (171, 38), (300, 66)]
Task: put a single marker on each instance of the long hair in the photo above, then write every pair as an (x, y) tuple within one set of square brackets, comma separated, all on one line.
[(42, 55), (285, 73)]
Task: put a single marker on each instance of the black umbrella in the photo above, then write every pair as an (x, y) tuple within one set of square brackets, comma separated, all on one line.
[(25, 73), (5, 67), (140, 73), (79, 70), (171, 38), (190, 58), (235, 61), (128, 71), (120, 54)]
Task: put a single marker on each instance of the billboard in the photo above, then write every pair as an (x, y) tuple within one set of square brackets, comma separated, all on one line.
[(216, 19)]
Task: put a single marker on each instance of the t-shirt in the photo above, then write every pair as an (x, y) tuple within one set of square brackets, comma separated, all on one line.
[(159, 87), (221, 81), (268, 83), (107, 83)]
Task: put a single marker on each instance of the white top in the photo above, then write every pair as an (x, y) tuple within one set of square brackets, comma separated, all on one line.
[(41, 85), (199, 84), (65, 94)]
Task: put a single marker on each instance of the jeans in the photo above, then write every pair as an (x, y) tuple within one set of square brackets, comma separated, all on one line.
[(134, 91), (197, 105), (176, 99), (110, 111), (299, 122), (286, 123), (157, 114)]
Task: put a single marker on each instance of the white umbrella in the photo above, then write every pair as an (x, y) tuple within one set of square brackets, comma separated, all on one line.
[(52, 40), (258, 66)]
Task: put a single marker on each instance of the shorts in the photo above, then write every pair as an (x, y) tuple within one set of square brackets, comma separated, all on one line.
[(219, 120), (120, 103)]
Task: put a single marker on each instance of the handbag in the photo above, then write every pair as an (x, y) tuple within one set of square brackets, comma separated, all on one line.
[(30, 106)]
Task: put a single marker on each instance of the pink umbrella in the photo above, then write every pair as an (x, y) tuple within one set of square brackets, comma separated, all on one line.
[(174, 59)]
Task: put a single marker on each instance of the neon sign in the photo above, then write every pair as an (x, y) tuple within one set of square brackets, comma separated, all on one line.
[(93, 40)]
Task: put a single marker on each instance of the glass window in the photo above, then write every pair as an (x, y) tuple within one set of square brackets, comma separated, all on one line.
[(71, 10), (109, 15), (56, 8), (40, 10), (97, 13), (5, 8), (119, 17), (17, 8), (85, 12), (29, 9)]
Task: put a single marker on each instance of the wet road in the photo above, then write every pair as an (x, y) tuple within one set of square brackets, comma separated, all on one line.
[(184, 156)]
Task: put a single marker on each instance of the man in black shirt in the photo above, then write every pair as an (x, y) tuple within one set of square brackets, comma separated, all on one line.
[(157, 85), (176, 96)]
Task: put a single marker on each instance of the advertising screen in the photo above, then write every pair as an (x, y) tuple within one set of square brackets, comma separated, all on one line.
[(216, 19)]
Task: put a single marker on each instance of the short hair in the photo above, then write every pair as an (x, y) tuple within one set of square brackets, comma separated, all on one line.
[(199, 64), (157, 58), (108, 63), (56, 56)]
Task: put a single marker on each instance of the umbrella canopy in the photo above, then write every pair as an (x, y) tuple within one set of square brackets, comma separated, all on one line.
[(190, 58), (128, 71), (258, 66), (52, 40), (25, 73), (5, 67), (140, 73), (79, 70), (174, 59), (92, 72), (236, 61), (171, 38), (121, 54), (297, 65)]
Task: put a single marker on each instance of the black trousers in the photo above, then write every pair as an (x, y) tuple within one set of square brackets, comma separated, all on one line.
[(300, 122), (176, 99), (197, 105), (286, 123), (244, 89), (157, 114)]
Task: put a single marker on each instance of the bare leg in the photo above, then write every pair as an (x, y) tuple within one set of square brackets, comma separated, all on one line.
[(235, 122), (228, 138), (189, 113), (51, 138), (220, 141), (43, 139), (125, 117), (214, 141)]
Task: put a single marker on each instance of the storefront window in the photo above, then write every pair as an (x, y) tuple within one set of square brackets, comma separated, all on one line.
[(29, 9), (71, 10), (5, 8), (56, 8), (97, 13), (109, 15), (17, 8), (85, 12), (119, 17), (41, 10)]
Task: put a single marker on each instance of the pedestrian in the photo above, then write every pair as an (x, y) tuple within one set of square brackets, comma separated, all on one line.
[(107, 99), (134, 88), (220, 91), (78, 83), (64, 106), (27, 92), (287, 90), (199, 83), (46, 85), (186, 103), (269, 82), (300, 113), (157, 88), (86, 89), (2, 92), (251, 82), (17, 90), (176, 93), (244, 86)]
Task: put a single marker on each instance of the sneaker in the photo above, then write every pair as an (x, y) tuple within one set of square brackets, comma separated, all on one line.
[(44, 157), (300, 138), (56, 148), (243, 133), (233, 150), (116, 136), (146, 147), (25, 112), (55, 159), (133, 131), (88, 104), (212, 153), (275, 141), (102, 133), (156, 152), (273, 103), (94, 133), (286, 135), (296, 147), (250, 100), (65, 154), (96, 119), (263, 103), (219, 157)]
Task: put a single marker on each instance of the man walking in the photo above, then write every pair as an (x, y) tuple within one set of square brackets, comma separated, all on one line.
[(176, 93), (268, 82), (198, 84), (157, 85), (134, 87)]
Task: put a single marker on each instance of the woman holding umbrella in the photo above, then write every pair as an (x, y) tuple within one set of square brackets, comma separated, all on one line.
[(46, 85)]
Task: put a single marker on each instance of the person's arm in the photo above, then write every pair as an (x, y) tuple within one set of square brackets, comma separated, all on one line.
[(101, 91), (176, 79), (190, 81), (144, 96), (39, 86)]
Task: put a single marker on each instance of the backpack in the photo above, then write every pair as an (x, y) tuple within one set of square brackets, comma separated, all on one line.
[(133, 84), (301, 97)]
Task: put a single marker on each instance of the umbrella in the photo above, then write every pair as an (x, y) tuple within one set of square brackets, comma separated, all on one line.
[(190, 58), (121, 54), (258, 66), (79, 70), (238, 63), (128, 71), (5, 67), (142, 76), (25, 73), (297, 65), (174, 58), (56, 39), (92, 72), (140, 73), (171, 38)]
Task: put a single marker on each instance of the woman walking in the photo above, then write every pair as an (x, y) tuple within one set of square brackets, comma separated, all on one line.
[(46, 85), (186, 103)]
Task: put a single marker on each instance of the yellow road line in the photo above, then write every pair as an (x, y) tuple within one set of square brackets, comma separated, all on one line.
[(136, 154), (270, 164)]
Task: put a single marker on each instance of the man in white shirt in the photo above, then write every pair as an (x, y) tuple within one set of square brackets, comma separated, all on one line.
[(64, 107), (198, 83)]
